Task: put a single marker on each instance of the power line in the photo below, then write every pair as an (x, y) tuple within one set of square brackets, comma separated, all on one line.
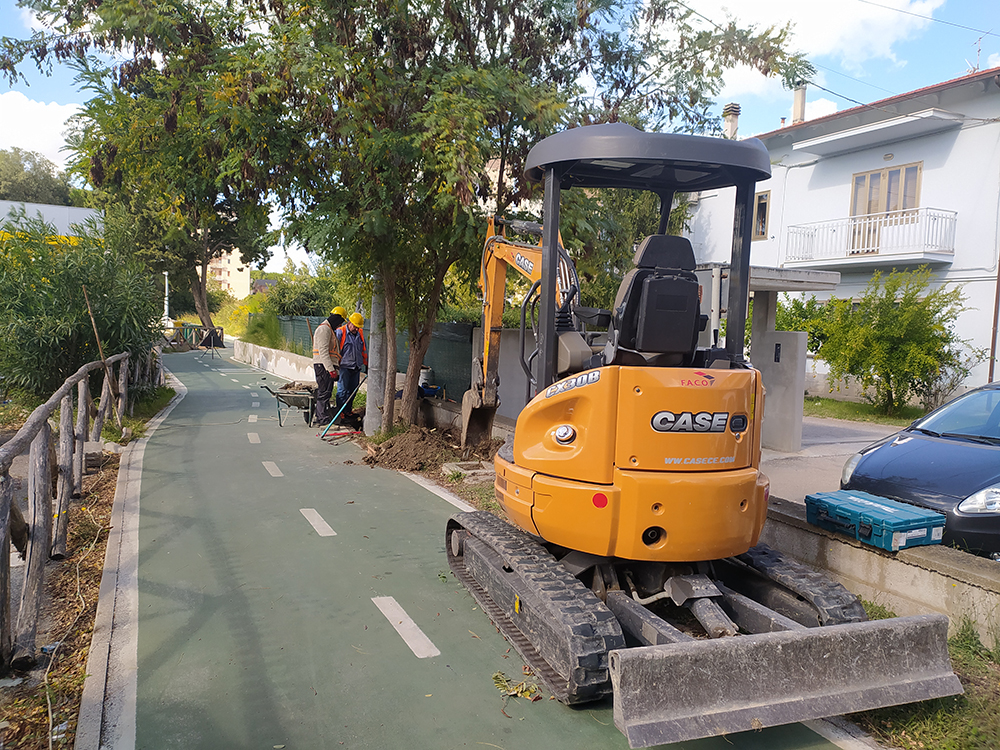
[(929, 18), (852, 78)]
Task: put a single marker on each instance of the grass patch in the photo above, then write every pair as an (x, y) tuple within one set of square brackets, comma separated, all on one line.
[(16, 409), (858, 412), (382, 435), (135, 423), (965, 722)]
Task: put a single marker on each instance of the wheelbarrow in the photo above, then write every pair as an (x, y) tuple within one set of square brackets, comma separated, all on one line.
[(295, 396)]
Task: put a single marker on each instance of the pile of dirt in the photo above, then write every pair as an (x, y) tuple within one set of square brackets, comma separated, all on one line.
[(417, 449)]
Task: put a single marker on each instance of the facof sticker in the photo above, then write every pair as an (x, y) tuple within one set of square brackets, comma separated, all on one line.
[(685, 421), (586, 378)]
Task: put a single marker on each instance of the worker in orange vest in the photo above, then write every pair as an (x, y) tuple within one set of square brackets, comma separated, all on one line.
[(326, 361), (353, 357)]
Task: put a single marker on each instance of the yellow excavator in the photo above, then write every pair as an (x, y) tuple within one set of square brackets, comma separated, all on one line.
[(630, 565)]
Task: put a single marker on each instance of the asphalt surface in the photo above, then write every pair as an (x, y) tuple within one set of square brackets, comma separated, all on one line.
[(826, 446), (266, 589)]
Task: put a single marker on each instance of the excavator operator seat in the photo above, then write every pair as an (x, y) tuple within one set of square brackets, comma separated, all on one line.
[(656, 313)]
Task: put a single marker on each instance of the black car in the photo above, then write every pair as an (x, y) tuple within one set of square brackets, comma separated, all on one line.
[(948, 461)]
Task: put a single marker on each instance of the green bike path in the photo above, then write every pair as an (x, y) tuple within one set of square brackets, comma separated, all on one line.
[(264, 555)]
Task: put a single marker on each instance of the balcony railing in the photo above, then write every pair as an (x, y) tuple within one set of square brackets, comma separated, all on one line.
[(913, 235)]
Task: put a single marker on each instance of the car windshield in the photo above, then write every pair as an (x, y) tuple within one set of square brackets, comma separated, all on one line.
[(974, 415)]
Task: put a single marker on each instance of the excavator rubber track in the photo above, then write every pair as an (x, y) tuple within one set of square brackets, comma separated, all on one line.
[(821, 601), (562, 630), (790, 669)]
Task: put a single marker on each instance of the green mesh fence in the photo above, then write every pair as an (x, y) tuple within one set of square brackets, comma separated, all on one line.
[(449, 355)]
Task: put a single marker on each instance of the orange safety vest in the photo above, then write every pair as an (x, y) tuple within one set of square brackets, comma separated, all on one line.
[(342, 331)]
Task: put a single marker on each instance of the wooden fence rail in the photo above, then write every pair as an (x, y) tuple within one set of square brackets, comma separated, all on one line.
[(47, 526)]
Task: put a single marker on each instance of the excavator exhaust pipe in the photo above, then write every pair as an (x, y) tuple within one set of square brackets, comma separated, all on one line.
[(681, 691)]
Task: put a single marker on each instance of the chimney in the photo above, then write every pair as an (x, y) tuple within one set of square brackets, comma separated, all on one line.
[(799, 103), (730, 117), (783, 122)]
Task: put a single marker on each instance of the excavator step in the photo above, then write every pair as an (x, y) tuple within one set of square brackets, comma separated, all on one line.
[(682, 691)]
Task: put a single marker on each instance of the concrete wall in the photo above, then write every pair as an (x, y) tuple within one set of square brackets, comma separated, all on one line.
[(921, 580), (283, 364)]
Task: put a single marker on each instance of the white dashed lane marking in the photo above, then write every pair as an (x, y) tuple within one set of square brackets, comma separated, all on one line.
[(316, 521), (234, 380), (412, 635), (255, 403), (253, 437), (252, 418), (254, 394), (272, 468), (248, 388)]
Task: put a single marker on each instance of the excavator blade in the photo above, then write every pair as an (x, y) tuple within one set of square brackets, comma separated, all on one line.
[(682, 691), (477, 419)]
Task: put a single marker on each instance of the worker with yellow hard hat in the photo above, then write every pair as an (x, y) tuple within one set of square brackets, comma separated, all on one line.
[(353, 357), (326, 361)]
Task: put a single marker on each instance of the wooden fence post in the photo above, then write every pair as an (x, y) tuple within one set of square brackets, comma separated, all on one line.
[(102, 411), (39, 543), (64, 487), (80, 439), (122, 385), (6, 500)]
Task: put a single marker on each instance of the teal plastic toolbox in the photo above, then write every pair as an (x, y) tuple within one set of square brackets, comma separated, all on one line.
[(878, 521)]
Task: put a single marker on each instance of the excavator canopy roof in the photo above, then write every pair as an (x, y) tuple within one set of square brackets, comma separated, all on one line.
[(618, 155)]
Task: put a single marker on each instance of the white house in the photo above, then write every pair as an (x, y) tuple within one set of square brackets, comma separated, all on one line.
[(63, 218), (906, 181)]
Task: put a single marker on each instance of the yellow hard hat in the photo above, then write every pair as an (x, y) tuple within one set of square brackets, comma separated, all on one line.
[(357, 319), (338, 310)]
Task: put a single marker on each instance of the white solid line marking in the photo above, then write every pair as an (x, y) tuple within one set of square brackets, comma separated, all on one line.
[(272, 468), (252, 418), (317, 522), (253, 437), (441, 492), (413, 636), (830, 730), (255, 403)]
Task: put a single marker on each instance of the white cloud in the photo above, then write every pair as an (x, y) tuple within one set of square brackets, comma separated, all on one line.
[(993, 61), (819, 108), (30, 20), (34, 126), (852, 34)]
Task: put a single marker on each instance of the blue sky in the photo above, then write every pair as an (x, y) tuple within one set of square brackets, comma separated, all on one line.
[(864, 50)]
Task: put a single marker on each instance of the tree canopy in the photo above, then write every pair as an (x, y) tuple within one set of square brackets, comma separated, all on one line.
[(29, 177), (385, 131)]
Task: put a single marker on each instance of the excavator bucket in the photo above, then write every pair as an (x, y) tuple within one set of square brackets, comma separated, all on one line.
[(477, 419), (681, 691)]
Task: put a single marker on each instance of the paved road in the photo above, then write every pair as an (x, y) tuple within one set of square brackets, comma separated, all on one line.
[(288, 596), (826, 446)]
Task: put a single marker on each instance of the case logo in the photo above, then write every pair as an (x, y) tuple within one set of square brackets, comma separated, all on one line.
[(587, 378), (524, 264), (703, 421)]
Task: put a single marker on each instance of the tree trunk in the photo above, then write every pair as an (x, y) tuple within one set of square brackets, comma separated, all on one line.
[(419, 345), (376, 360), (420, 341), (389, 400), (199, 290)]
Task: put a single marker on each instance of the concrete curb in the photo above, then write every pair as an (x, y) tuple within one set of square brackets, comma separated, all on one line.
[(107, 706)]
